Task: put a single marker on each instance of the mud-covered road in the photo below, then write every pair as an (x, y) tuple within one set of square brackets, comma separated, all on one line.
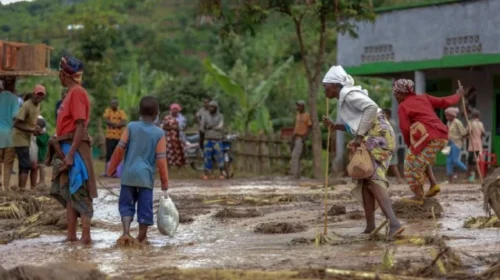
[(229, 224)]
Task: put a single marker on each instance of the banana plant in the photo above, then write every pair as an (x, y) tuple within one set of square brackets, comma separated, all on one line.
[(252, 114), (141, 81)]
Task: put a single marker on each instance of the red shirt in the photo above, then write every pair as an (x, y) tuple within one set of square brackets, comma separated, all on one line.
[(420, 108), (75, 106)]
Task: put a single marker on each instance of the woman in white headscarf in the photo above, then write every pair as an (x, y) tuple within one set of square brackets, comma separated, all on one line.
[(362, 118)]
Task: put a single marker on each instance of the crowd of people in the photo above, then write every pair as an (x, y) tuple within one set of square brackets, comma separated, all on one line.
[(134, 150)]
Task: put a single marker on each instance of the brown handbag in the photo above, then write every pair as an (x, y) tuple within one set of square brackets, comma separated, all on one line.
[(360, 165)]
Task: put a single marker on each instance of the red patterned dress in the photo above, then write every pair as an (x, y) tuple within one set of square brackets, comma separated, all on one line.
[(175, 149)]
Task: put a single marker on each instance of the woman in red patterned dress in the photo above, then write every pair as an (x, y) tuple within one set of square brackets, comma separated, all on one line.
[(175, 147)]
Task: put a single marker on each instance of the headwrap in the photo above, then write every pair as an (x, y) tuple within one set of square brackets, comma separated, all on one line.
[(175, 106), (72, 67), (337, 75), (404, 86), (214, 103), (453, 111)]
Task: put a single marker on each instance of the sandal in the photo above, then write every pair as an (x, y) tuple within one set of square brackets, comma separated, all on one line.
[(204, 177), (397, 233), (433, 191)]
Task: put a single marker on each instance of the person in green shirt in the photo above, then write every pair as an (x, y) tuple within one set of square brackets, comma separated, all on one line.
[(42, 141), (25, 126)]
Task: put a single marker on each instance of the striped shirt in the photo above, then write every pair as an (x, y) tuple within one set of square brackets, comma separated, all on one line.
[(143, 148)]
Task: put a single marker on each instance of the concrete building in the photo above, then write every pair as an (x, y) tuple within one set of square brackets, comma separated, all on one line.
[(436, 45)]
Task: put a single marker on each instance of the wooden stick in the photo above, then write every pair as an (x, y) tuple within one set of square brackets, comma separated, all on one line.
[(470, 136), (327, 165), (368, 275), (375, 231)]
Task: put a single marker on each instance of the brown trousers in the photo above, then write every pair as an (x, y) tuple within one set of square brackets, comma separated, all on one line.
[(7, 157)]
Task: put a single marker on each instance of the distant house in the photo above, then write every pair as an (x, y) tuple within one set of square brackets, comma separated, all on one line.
[(435, 45), (72, 27)]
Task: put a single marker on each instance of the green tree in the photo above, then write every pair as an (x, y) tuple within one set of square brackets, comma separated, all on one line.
[(252, 114), (96, 41), (325, 15)]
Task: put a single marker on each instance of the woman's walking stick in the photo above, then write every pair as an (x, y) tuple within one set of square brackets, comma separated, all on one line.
[(470, 136), (327, 165)]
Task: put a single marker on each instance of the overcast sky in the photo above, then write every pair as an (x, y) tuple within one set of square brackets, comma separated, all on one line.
[(11, 1)]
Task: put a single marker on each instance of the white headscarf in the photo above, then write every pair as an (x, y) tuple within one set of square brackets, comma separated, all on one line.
[(337, 75)]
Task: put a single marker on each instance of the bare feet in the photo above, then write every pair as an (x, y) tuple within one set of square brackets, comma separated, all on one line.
[(70, 239), (144, 241), (368, 230), (86, 240)]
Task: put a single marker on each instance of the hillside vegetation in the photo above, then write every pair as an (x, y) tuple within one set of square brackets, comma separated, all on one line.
[(134, 48)]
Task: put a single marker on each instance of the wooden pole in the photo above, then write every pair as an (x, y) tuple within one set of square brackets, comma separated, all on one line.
[(327, 164), (470, 136)]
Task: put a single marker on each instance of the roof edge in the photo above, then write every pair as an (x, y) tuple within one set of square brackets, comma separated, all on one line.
[(429, 3), (451, 61)]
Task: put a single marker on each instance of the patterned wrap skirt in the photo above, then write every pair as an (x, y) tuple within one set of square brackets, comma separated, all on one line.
[(415, 165), (380, 142), (81, 200)]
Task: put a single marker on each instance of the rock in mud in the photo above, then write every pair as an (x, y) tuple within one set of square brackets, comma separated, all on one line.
[(228, 213), (337, 209), (68, 271), (279, 228), (356, 215), (491, 192), (184, 219), (405, 210)]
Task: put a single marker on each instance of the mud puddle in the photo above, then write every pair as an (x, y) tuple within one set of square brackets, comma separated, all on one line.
[(209, 242)]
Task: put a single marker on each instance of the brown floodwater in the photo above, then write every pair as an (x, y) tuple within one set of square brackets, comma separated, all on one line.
[(208, 242)]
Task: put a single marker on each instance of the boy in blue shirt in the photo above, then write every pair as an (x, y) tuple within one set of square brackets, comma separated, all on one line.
[(143, 146)]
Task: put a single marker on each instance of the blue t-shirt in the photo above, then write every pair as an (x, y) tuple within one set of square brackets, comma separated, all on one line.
[(139, 165), (9, 106)]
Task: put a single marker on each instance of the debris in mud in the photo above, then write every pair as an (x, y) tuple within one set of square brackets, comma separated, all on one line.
[(356, 215), (29, 214), (405, 210), (491, 192), (337, 209), (301, 240), (493, 272), (482, 222), (254, 201), (227, 274), (279, 228), (18, 206), (227, 213), (127, 241), (64, 271)]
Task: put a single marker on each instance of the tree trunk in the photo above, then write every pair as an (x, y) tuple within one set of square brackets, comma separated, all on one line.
[(317, 146), (101, 139)]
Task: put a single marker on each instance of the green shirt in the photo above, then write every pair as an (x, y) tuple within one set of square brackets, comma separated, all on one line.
[(42, 141), (28, 113)]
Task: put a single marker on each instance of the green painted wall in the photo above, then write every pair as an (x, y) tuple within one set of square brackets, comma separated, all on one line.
[(495, 140), (439, 88)]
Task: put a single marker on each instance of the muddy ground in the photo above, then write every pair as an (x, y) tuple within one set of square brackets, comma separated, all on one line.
[(268, 224)]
